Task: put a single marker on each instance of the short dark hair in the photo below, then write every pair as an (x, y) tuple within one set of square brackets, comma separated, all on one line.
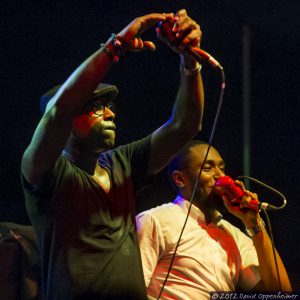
[(182, 159)]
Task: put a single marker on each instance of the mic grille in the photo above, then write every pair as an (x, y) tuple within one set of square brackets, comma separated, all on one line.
[(226, 187), (230, 192)]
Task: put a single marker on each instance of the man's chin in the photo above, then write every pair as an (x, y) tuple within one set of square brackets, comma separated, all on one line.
[(216, 202), (107, 144)]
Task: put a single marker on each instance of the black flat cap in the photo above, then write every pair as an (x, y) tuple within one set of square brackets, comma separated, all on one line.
[(103, 90)]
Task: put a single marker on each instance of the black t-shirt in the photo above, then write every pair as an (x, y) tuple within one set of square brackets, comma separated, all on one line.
[(87, 239)]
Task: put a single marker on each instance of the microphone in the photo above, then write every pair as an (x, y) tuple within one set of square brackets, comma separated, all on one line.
[(226, 186), (199, 54)]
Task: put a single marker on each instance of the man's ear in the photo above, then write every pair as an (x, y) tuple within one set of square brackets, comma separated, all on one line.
[(178, 179)]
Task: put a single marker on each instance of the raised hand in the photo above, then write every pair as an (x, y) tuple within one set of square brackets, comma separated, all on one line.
[(130, 37), (180, 32)]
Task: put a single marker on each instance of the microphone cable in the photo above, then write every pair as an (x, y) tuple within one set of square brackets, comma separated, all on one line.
[(273, 247), (264, 207), (201, 168)]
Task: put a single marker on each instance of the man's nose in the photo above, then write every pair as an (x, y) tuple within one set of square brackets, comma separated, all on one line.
[(219, 173), (108, 113)]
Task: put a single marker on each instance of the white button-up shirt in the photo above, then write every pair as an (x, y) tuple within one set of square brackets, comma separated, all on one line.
[(213, 257)]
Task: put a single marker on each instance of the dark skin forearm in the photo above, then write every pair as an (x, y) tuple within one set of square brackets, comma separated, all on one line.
[(56, 124), (263, 246), (187, 113), (267, 266)]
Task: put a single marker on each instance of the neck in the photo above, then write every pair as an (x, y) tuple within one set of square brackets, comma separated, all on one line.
[(210, 213), (206, 207)]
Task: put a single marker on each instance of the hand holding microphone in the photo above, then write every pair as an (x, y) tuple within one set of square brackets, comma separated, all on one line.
[(185, 39), (227, 188)]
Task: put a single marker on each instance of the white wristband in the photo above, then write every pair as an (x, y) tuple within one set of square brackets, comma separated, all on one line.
[(191, 72)]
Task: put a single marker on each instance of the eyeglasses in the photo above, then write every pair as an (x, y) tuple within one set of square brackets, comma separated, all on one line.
[(98, 107)]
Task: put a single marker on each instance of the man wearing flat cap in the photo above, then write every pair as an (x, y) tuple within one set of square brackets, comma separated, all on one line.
[(80, 191)]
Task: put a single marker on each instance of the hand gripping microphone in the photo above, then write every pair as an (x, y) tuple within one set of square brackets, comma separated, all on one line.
[(200, 55), (226, 186)]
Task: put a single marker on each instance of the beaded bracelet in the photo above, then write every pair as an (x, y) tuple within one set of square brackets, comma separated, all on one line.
[(113, 47), (115, 58)]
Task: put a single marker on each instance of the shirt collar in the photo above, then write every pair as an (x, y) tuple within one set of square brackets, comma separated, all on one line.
[(195, 212)]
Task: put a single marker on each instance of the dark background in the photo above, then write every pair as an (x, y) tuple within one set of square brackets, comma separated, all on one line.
[(43, 42)]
